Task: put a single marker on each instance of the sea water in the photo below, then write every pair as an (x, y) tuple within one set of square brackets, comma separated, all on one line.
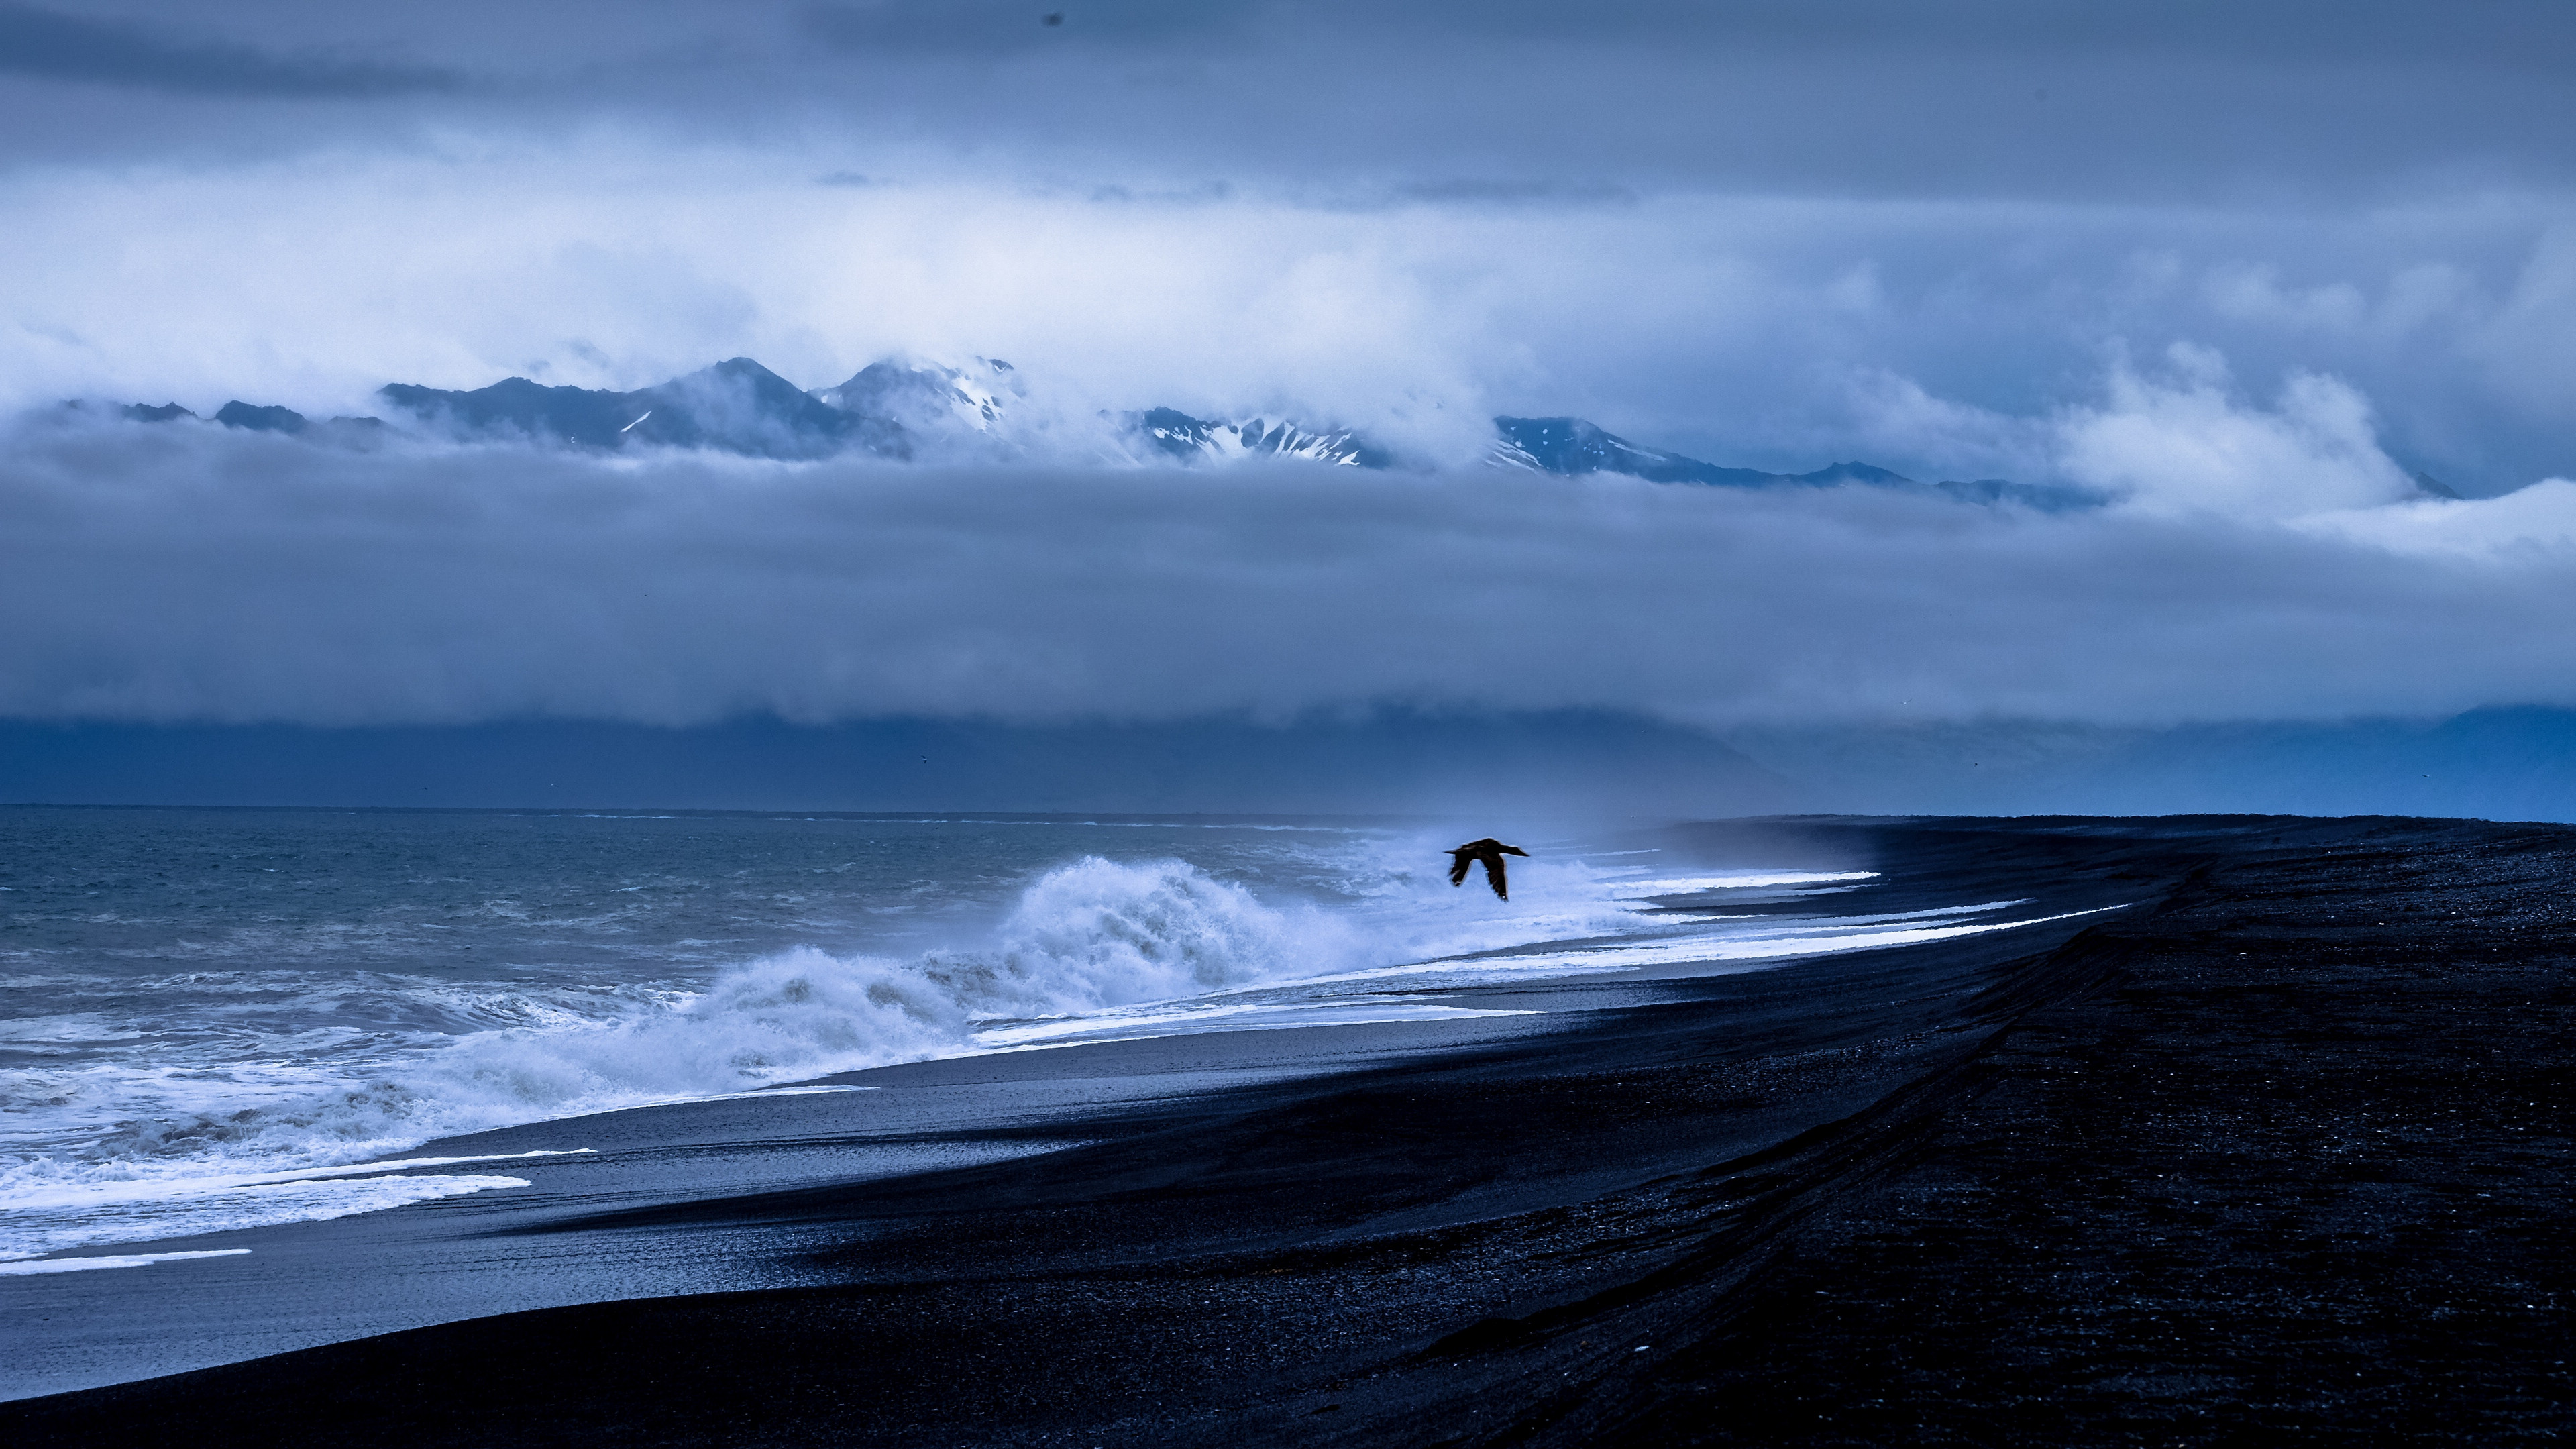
[(225, 1018)]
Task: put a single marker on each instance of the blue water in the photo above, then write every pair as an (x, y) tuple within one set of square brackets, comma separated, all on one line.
[(211, 1015)]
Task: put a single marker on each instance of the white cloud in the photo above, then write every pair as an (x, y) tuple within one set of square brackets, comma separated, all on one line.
[(2186, 445), (2256, 294), (2535, 522)]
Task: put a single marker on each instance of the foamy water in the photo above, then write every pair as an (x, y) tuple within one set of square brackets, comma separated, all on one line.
[(213, 1050)]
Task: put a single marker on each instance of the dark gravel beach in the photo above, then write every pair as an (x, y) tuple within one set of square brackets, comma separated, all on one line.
[(2281, 1152)]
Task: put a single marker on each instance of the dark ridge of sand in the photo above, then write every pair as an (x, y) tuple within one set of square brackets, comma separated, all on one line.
[(2281, 1154)]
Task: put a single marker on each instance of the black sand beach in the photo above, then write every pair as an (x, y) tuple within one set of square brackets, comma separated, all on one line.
[(2280, 1152)]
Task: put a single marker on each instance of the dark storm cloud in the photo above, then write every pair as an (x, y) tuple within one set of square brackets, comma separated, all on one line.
[(1515, 193), (2005, 97), (1002, 27), (2285, 33), (50, 45), (1349, 100), (185, 573)]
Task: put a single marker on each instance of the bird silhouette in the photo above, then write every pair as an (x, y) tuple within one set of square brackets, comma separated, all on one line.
[(1491, 852)]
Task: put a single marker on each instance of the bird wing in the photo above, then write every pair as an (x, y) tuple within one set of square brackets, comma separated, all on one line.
[(1491, 852)]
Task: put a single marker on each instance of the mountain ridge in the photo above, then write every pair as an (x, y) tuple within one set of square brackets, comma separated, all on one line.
[(736, 406), (901, 407), (1573, 447)]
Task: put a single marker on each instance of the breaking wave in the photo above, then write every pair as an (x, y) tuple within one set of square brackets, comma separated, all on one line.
[(1094, 933)]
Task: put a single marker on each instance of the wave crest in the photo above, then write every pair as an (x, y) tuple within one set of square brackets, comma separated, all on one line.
[(1100, 933), (1093, 933)]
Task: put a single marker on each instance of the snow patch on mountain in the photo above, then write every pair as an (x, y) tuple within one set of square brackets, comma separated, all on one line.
[(1176, 434)]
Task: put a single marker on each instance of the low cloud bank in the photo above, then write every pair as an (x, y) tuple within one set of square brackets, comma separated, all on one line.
[(194, 575), (1942, 339)]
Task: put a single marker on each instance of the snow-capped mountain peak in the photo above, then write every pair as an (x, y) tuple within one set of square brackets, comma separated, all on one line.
[(1178, 434), (929, 395)]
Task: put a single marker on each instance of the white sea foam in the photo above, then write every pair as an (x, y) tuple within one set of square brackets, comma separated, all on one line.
[(1770, 944), (116, 1192), (1743, 880), (179, 1207), (173, 1199), (1170, 1018), (115, 1260)]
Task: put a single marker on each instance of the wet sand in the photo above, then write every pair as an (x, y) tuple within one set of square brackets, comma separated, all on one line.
[(2281, 1151)]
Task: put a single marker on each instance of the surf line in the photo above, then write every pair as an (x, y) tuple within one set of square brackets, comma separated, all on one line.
[(116, 1260)]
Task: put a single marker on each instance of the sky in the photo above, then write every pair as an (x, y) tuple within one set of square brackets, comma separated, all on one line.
[(2244, 270)]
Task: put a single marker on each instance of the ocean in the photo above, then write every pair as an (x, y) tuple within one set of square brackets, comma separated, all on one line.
[(220, 1019)]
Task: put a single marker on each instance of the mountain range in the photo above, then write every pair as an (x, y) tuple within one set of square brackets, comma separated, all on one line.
[(1571, 447), (904, 408)]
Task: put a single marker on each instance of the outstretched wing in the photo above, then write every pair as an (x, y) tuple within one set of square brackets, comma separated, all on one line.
[(1491, 852)]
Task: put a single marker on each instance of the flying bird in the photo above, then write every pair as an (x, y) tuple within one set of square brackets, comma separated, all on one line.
[(1491, 852)]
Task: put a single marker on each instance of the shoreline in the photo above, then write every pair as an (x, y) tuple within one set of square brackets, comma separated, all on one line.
[(1841, 1201)]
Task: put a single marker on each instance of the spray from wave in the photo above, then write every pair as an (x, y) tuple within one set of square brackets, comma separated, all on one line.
[(1091, 934)]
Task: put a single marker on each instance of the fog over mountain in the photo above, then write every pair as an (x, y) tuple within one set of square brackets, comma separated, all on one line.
[(1858, 372)]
